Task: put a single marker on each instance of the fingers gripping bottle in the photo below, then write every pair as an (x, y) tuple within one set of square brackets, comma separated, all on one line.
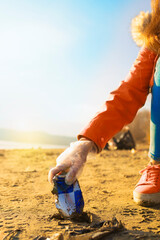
[(69, 201)]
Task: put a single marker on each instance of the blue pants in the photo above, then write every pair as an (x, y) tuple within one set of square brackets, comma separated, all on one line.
[(154, 151)]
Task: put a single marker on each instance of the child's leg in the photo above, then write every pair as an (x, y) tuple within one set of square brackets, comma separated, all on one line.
[(154, 151), (147, 190)]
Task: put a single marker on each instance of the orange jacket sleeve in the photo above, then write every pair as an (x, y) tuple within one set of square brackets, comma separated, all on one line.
[(123, 103)]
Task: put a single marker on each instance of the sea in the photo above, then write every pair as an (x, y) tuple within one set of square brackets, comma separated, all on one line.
[(19, 145)]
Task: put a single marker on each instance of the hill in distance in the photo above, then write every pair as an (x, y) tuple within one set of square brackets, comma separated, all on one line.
[(35, 137)]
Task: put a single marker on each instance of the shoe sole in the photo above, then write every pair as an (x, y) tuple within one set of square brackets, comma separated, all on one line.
[(145, 199)]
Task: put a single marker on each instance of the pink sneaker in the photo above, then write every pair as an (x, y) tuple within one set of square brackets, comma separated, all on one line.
[(147, 190)]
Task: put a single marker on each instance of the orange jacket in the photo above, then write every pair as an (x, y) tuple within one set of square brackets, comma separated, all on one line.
[(123, 103)]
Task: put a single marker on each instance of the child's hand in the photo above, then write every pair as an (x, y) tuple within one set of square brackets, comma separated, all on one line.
[(72, 160)]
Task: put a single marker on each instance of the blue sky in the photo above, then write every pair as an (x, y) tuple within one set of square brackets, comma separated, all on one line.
[(60, 59)]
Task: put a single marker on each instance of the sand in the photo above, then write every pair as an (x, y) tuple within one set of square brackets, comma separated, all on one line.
[(107, 182)]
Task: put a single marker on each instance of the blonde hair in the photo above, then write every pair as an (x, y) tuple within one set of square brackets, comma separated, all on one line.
[(145, 28)]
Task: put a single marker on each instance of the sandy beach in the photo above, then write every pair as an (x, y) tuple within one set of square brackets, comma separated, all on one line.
[(27, 205)]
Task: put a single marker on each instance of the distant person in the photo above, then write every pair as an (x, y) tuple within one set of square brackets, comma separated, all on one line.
[(121, 108)]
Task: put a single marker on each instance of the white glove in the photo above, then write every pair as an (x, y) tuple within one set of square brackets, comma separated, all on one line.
[(72, 160)]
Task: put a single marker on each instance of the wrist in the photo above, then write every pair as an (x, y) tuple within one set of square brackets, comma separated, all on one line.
[(92, 147)]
